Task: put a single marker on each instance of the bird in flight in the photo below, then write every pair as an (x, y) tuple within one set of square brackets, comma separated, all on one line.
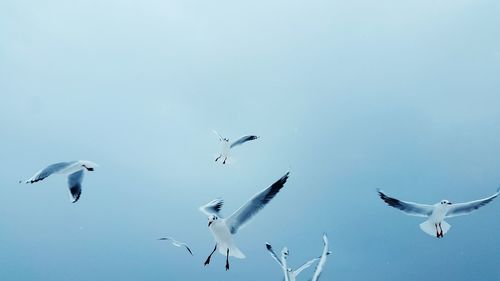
[(74, 170), (227, 146), (177, 243), (435, 225), (223, 229), (290, 274)]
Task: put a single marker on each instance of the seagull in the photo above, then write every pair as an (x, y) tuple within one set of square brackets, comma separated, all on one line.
[(223, 229), (177, 243), (74, 170), (290, 275), (435, 214), (226, 146), (322, 260)]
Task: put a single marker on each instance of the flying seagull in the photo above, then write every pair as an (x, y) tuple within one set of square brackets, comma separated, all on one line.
[(177, 243), (290, 275), (226, 146), (223, 229), (74, 170), (435, 214), (322, 260)]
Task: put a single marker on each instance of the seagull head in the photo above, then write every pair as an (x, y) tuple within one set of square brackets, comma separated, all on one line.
[(284, 253), (445, 202), (226, 140), (88, 165), (211, 219)]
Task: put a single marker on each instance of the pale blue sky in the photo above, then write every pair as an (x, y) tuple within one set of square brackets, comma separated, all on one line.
[(349, 95)]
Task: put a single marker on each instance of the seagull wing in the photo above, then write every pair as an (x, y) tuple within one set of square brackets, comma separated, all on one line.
[(243, 140), (308, 264), (218, 135), (410, 208), (49, 170), (273, 254), (212, 207), (322, 260), (187, 248), (461, 209), (243, 215), (305, 266), (75, 185), (166, 238)]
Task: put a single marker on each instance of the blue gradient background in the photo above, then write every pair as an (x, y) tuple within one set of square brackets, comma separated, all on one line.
[(349, 95)]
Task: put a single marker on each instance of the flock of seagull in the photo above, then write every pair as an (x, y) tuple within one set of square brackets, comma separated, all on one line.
[(223, 229)]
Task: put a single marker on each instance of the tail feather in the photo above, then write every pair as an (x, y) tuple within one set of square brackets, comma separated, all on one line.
[(233, 252), (429, 227)]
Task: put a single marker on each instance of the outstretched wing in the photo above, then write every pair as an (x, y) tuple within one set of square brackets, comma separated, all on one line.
[(461, 209), (410, 208), (213, 207), (322, 260), (243, 140), (187, 248), (75, 185), (308, 264), (49, 170), (243, 215), (273, 254), (305, 266), (218, 135)]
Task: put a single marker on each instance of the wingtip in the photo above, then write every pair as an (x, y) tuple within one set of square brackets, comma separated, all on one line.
[(268, 246)]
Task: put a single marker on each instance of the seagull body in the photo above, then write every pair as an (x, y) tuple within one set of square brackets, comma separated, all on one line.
[(223, 229), (435, 225), (226, 146), (322, 260), (290, 274), (74, 170), (177, 243)]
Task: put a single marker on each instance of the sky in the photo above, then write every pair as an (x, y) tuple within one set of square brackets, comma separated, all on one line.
[(349, 96)]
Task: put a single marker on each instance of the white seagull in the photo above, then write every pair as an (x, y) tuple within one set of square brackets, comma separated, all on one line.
[(177, 243), (435, 214), (226, 146), (74, 170), (322, 260), (290, 275), (223, 229)]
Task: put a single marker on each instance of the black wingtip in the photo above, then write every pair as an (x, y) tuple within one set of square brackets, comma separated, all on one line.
[(76, 199), (268, 246)]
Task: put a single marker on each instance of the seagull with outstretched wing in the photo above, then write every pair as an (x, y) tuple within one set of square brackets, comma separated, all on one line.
[(223, 229), (290, 274), (435, 224), (177, 243), (73, 170), (227, 146)]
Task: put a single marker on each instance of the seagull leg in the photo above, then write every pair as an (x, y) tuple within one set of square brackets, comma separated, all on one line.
[(440, 230), (224, 161), (208, 259), (218, 158), (227, 260), (437, 230)]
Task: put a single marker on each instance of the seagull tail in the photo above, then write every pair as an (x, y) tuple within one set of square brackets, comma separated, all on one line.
[(429, 227), (233, 252)]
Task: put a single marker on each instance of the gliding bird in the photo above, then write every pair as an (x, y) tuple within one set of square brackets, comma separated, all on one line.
[(435, 214), (177, 243), (74, 170)]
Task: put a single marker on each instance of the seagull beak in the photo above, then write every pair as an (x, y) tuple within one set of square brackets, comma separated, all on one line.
[(90, 169), (209, 223), (449, 203)]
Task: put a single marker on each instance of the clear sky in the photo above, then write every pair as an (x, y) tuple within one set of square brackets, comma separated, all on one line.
[(349, 96)]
